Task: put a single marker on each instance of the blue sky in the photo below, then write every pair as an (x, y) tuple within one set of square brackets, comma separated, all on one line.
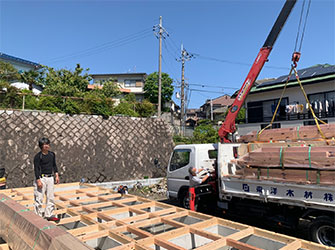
[(116, 37)]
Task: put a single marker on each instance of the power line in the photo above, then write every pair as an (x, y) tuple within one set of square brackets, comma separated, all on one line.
[(96, 51), (233, 62), (175, 78), (102, 47), (211, 86), (206, 91)]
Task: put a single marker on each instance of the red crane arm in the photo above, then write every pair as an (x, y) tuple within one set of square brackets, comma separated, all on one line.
[(229, 124), (228, 127)]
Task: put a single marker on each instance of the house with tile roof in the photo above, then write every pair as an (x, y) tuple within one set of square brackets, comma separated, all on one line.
[(319, 84), (215, 108)]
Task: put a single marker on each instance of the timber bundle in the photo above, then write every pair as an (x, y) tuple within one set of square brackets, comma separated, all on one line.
[(291, 134), (296, 155), (290, 164)]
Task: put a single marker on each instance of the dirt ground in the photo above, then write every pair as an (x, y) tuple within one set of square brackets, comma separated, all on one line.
[(145, 194), (154, 192)]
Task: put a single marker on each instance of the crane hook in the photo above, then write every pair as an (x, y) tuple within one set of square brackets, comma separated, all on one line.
[(295, 58)]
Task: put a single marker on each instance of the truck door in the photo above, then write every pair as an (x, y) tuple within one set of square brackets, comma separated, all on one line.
[(180, 161)]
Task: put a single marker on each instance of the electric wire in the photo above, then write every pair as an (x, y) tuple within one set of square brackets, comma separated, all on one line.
[(233, 62), (96, 51), (108, 45)]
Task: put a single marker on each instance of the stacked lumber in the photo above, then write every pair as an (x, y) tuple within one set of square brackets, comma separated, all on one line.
[(289, 164), (291, 134), (251, 146), (322, 158)]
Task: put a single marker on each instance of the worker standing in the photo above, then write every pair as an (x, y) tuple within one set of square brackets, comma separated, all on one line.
[(195, 181), (45, 169)]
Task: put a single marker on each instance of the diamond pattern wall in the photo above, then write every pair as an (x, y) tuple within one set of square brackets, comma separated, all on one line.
[(90, 147)]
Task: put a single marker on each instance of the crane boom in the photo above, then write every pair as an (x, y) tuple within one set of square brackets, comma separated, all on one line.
[(229, 127)]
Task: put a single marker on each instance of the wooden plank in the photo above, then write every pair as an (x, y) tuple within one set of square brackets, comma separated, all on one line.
[(241, 234), (214, 245), (4, 247), (205, 234), (241, 245), (167, 245), (293, 245), (292, 134)]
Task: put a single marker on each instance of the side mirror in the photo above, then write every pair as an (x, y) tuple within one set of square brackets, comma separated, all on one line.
[(187, 178), (155, 161)]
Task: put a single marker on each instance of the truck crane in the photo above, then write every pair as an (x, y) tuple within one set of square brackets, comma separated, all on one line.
[(228, 128), (269, 199)]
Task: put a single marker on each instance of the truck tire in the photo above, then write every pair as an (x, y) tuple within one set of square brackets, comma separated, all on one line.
[(322, 231), (184, 200)]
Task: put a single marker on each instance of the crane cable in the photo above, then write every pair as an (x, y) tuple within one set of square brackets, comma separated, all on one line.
[(295, 59)]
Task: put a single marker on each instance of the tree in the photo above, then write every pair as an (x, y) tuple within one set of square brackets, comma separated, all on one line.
[(205, 133), (145, 108), (8, 72), (65, 82), (32, 77), (111, 89), (151, 88)]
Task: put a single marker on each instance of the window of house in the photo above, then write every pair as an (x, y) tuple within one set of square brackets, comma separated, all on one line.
[(255, 112), (262, 111), (323, 103), (180, 158), (133, 83)]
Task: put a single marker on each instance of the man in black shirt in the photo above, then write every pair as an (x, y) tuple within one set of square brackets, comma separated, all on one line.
[(45, 168)]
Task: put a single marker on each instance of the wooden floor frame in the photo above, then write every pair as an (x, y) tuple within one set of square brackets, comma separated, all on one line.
[(95, 213)]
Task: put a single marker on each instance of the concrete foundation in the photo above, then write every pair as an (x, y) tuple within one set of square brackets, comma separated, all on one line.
[(221, 230), (188, 220), (261, 242), (190, 241)]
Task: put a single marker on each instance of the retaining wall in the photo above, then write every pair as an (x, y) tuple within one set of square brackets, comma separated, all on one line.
[(90, 147)]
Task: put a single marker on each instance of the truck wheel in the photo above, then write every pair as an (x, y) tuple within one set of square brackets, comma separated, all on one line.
[(322, 231), (184, 200)]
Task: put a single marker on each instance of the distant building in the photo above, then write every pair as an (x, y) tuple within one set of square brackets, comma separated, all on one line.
[(127, 82), (22, 65), (19, 63), (192, 117), (215, 108)]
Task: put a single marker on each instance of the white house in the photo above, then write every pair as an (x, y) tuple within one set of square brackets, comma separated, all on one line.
[(128, 82), (319, 84), (19, 63), (22, 65)]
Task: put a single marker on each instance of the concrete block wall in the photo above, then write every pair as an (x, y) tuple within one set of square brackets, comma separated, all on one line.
[(90, 147)]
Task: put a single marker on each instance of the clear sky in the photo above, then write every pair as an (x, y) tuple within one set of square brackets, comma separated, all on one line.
[(116, 37)]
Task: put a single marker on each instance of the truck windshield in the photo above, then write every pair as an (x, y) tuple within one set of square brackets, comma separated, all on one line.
[(180, 158)]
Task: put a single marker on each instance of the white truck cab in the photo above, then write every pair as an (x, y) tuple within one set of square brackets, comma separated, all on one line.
[(183, 157)]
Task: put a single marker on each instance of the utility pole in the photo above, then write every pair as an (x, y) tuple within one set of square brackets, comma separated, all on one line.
[(185, 56), (160, 35), (211, 109)]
